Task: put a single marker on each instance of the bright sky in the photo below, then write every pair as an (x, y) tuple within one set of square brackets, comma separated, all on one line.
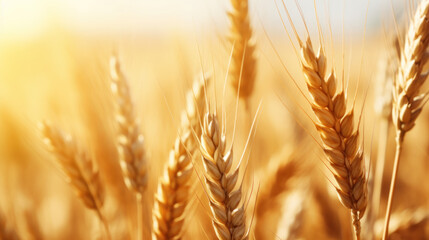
[(26, 18)]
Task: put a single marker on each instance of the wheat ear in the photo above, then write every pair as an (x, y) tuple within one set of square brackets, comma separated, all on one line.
[(173, 188), (336, 128), (243, 59), (78, 168), (130, 141), (407, 100), (276, 184), (229, 220)]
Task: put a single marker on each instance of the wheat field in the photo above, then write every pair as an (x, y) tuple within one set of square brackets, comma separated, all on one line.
[(284, 121)]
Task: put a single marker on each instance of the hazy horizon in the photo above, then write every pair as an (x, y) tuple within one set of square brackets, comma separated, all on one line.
[(24, 18)]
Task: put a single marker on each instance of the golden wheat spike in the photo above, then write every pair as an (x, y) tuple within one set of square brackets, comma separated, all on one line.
[(408, 102), (173, 188), (229, 219), (336, 128), (243, 59), (173, 192), (130, 140), (78, 168)]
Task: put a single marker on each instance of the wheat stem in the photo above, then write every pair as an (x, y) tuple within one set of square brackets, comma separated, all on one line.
[(139, 199), (393, 183)]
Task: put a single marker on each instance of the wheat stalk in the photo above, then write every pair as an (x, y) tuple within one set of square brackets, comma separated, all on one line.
[(173, 188), (229, 220), (407, 100), (337, 131), (243, 61), (78, 168)]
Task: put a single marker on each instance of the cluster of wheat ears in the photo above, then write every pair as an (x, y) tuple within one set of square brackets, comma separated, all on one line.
[(202, 155)]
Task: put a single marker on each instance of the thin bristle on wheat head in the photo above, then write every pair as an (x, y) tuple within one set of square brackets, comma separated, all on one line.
[(130, 140), (229, 220), (241, 37), (407, 101), (386, 71), (340, 138), (76, 165), (193, 115)]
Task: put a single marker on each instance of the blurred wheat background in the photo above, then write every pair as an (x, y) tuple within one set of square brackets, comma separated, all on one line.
[(55, 66)]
